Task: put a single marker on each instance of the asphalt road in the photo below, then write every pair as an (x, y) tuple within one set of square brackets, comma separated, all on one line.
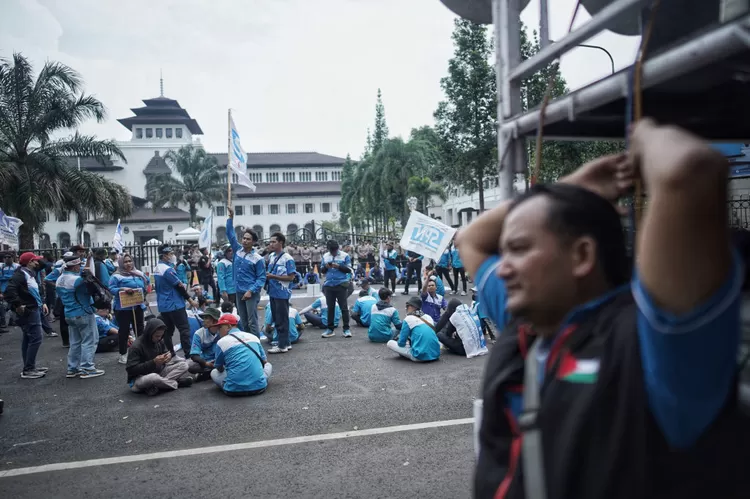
[(322, 387)]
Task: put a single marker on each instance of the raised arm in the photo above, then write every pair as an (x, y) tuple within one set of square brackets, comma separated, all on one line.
[(479, 241), (231, 235)]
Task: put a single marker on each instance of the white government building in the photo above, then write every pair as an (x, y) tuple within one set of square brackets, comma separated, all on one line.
[(294, 190)]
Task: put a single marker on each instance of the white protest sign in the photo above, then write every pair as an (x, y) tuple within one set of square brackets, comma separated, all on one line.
[(426, 236)]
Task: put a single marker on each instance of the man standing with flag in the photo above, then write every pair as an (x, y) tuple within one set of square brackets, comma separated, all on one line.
[(249, 273)]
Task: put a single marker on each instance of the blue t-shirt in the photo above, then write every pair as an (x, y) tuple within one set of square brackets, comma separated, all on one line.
[(225, 275), (244, 369), (118, 281), (387, 256), (363, 306)]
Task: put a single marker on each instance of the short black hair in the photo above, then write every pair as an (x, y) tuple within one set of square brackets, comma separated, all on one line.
[(385, 293), (227, 307), (576, 212), (279, 237), (363, 292), (252, 233)]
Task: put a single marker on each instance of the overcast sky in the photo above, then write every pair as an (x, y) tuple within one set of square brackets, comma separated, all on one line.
[(300, 75)]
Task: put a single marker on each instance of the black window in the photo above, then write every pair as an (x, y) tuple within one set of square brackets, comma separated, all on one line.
[(139, 133), (178, 133), (149, 133), (168, 132)]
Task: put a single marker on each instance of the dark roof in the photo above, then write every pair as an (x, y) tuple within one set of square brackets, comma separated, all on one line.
[(92, 164), (142, 214), (264, 190), (156, 165), (161, 111), (266, 159)]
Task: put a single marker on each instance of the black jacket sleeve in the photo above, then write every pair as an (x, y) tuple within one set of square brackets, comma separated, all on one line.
[(137, 365), (14, 289)]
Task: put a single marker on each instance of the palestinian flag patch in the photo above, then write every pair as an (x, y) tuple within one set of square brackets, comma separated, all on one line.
[(575, 370)]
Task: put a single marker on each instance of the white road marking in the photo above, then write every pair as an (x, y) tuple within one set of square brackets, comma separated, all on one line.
[(230, 447)]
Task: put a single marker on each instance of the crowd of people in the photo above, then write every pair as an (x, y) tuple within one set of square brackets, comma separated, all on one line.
[(212, 301)]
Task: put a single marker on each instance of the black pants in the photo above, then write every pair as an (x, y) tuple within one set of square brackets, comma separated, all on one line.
[(390, 275), (124, 321), (280, 314), (442, 272), (486, 328), (413, 268), (232, 298), (315, 320), (456, 272), (358, 320), (446, 329), (454, 344), (50, 293), (212, 284), (445, 319), (350, 289), (338, 294), (3, 311), (177, 319), (45, 324), (60, 313), (107, 344)]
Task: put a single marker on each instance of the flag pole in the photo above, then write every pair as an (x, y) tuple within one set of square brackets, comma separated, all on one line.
[(229, 158)]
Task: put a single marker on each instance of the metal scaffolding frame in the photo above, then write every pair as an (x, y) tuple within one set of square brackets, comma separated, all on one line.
[(514, 126)]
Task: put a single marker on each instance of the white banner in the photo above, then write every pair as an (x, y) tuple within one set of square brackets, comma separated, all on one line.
[(204, 240), (238, 157), (9, 227), (117, 238), (426, 236)]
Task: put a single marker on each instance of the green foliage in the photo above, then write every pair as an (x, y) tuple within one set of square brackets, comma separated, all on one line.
[(465, 121), (423, 189), (199, 181), (381, 128), (35, 175)]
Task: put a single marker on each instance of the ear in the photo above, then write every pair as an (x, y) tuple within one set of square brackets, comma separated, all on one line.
[(583, 256)]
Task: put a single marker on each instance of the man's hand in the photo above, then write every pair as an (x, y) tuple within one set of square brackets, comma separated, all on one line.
[(334, 265), (611, 177), (224, 296), (193, 303), (248, 294), (209, 365), (230, 211), (45, 309), (162, 359), (270, 275)]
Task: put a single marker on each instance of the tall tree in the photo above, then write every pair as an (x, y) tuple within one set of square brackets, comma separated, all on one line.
[(381, 128), (465, 121), (35, 168), (199, 181), (424, 189)]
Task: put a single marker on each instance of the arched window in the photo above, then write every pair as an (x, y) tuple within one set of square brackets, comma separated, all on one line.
[(221, 235), (63, 240), (291, 230), (44, 241), (258, 229), (274, 228), (238, 231), (309, 234)]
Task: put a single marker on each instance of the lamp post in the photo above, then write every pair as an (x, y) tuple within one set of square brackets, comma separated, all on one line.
[(597, 47)]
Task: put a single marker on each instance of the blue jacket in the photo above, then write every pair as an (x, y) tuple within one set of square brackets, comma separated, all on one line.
[(56, 272), (225, 274), (103, 325), (334, 277), (204, 344), (118, 281), (393, 255), (182, 269), (249, 267), (363, 307), (74, 295), (382, 317), (282, 266), (432, 306), (445, 259), (170, 292), (456, 259), (244, 369), (6, 273), (424, 341)]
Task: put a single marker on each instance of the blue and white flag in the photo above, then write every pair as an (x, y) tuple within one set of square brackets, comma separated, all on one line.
[(426, 236), (238, 157), (117, 238), (9, 227), (204, 240)]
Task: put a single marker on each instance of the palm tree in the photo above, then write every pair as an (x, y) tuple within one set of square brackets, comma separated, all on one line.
[(423, 189), (35, 169), (200, 181)]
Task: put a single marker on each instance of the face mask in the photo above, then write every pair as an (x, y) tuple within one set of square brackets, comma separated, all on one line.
[(173, 259)]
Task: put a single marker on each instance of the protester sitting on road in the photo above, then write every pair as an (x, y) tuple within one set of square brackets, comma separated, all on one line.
[(460, 331), (241, 365), (418, 329), (376, 274), (432, 302), (320, 320), (203, 347), (151, 366), (295, 326), (364, 284), (108, 333), (432, 276), (362, 308), (383, 317), (203, 298), (311, 277)]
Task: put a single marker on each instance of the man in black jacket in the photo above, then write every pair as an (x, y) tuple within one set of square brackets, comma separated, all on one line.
[(603, 386), (25, 299), (151, 366)]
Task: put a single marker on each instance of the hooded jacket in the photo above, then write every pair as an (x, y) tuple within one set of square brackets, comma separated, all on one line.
[(142, 353)]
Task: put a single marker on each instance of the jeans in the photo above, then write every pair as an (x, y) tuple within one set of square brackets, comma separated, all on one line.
[(280, 314), (413, 268), (84, 339), (334, 294), (177, 319), (315, 320), (248, 311), (124, 320), (31, 325)]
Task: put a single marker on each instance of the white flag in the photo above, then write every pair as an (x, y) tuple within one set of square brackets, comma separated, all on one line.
[(426, 236), (238, 157), (117, 238), (204, 240)]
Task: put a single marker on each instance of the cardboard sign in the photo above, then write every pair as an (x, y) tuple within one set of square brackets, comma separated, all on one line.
[(131, 300)]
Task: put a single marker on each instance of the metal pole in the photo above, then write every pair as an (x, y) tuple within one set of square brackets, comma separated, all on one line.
[(543, 24), (229, 158), (611, 59)]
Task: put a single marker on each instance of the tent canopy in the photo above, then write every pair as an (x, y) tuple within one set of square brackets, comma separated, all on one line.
[(188, 234)]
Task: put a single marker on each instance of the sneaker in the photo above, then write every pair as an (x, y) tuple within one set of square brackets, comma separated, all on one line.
[(41, 369), (453, 292), (328, 334), (463, 293), (185, 382), (347, 334), (91, 373), (66, 345), (32, 374), (51, 334), (404, 292), (122, 359), (73, 374), (152, 390), (204, 376), (263, 337), (278, 350)]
